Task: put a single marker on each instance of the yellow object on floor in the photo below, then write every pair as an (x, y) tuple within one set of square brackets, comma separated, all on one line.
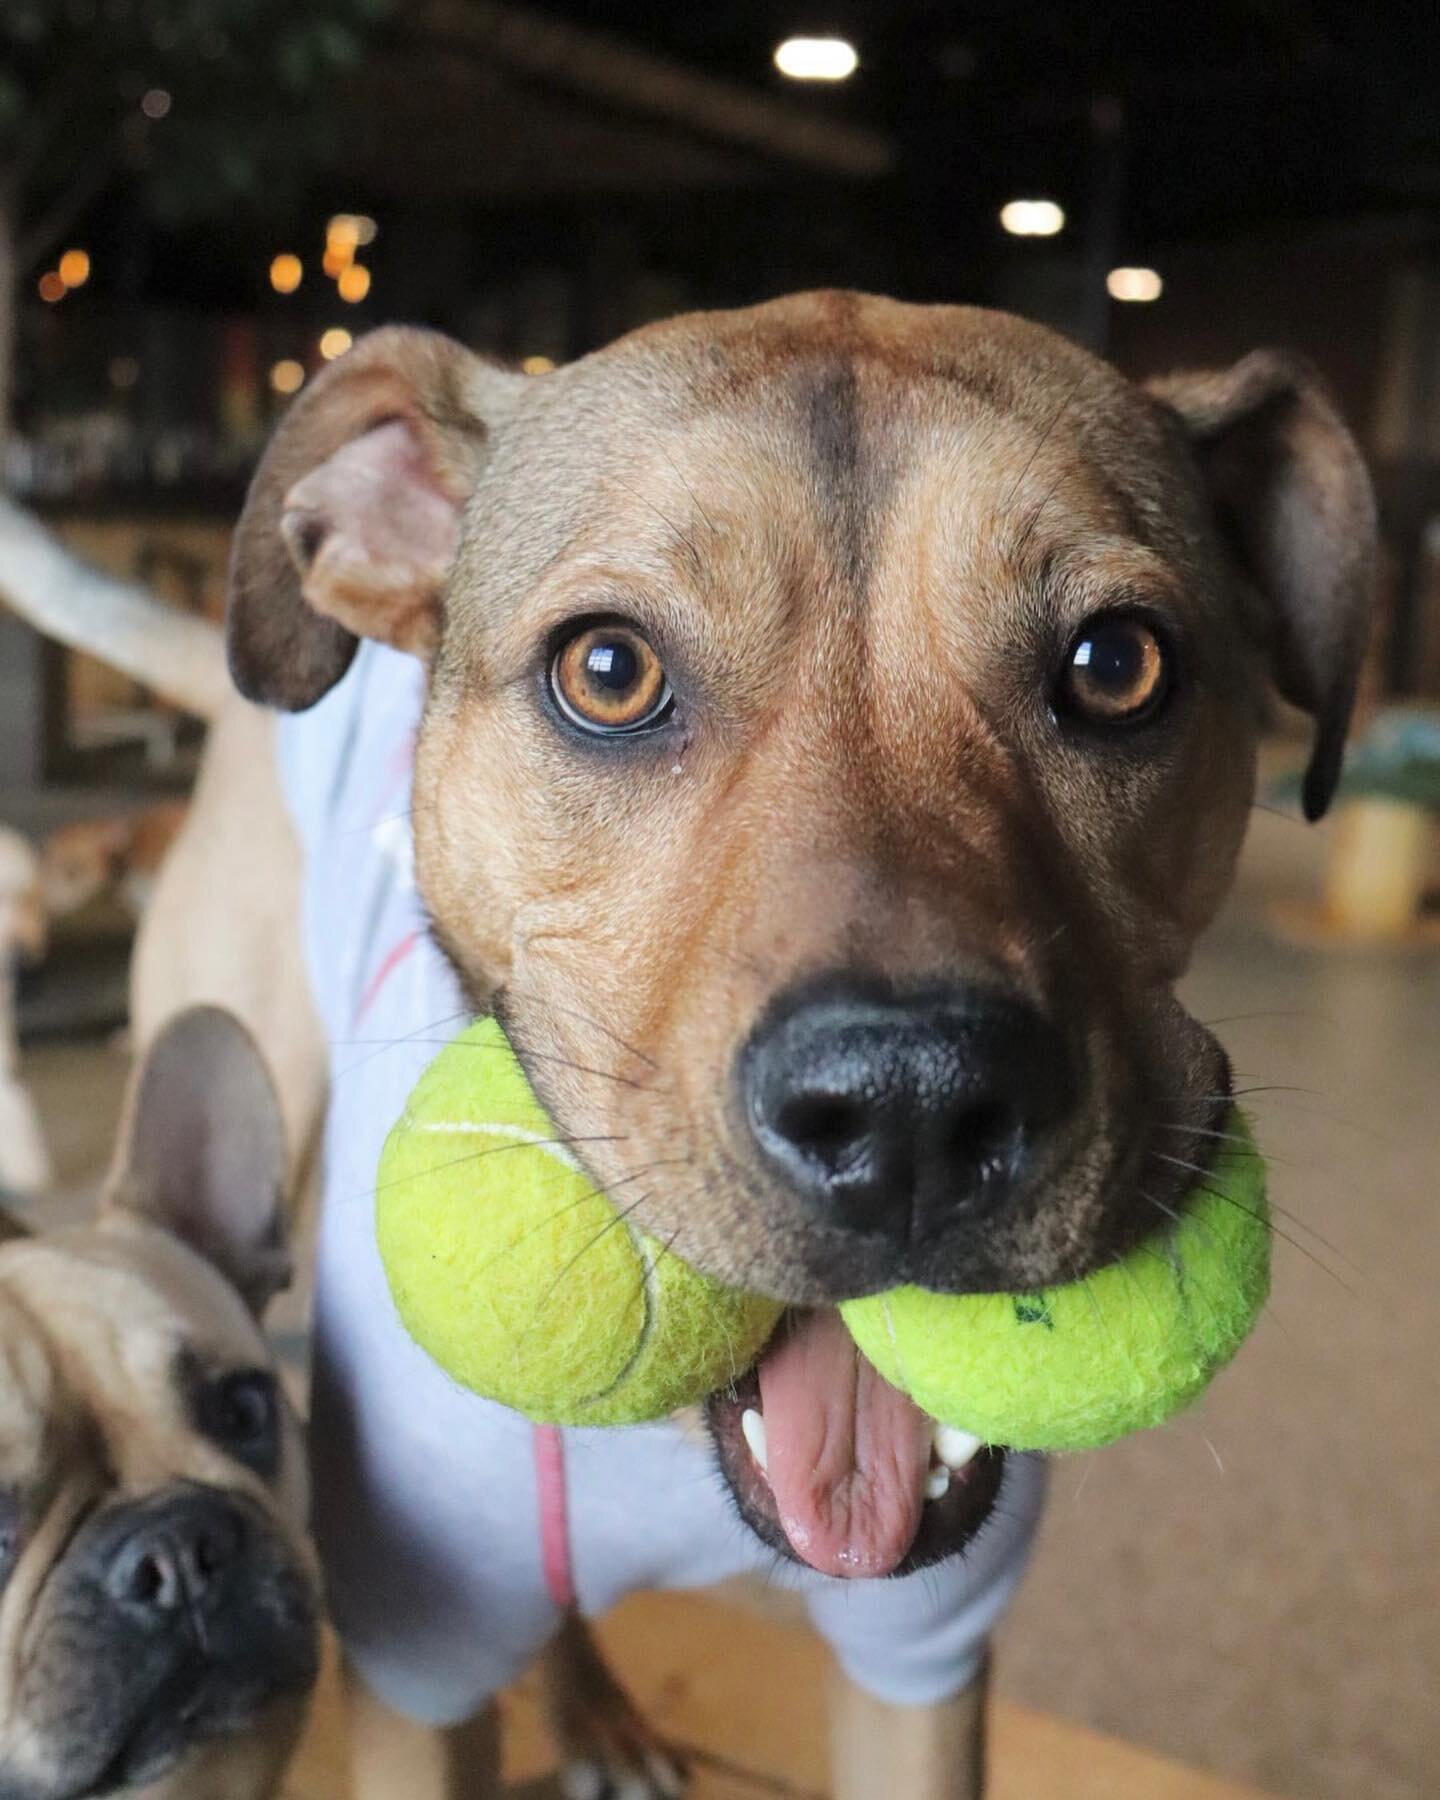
[(742, 1698)]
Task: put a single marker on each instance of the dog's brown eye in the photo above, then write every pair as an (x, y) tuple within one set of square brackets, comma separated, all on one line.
[(607, 679), (1117, 671)]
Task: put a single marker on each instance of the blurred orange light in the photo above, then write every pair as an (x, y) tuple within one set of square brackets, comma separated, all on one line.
[(354, 283), (52, 288), (335, 342), (538, 365), (337, 259), (286, 272), (74, 268), (287, 376)]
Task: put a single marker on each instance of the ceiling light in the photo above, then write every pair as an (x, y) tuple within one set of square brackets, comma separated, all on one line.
[(1032, 218), (1134, 284), (538, 365), (74, 268), (353, 283), (816, 59), (335, 342)]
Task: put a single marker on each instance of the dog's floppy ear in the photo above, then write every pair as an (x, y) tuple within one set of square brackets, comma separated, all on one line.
[(1295, 506), (203, 1151), (353, 517)]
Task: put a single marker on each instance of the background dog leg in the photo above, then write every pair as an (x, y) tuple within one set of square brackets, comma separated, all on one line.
[(607, 1750), (911, 1752), (392, 1756)]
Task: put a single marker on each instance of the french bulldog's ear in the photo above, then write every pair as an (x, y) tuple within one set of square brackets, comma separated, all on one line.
[(353, 517), (1295, 507), (203, 1151)]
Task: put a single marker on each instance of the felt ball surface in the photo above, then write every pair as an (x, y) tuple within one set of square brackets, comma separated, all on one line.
[(521, 1279), (1077, 1366)]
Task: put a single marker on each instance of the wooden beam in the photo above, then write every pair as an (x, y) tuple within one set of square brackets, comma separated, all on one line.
[(601, 68)]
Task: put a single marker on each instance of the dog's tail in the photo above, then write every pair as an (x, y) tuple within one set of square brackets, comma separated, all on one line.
[(180, 657)]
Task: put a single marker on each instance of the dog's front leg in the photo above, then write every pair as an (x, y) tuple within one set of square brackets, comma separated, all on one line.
[(393, 1757), (606, 1747), (908, 1752)]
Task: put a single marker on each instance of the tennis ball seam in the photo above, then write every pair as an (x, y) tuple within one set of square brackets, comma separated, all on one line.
[(520, 1134), (648, 1293), (547, 1146), (515, 1134)]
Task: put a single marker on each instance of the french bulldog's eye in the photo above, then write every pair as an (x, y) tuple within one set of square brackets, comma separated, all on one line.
[(240, 1412), (607, 680), (1117, 671)]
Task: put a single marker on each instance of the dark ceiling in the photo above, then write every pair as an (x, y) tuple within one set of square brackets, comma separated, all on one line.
[(627, 147), (1235, 112)]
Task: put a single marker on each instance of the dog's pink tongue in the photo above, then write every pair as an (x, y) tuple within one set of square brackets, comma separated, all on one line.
[(847, 1453)]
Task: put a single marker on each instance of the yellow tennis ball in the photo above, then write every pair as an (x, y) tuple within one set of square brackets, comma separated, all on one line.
[(521, 1279), (1077, 1366)]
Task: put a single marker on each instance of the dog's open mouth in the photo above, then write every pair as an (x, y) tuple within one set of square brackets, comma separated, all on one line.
[(833, 1467)]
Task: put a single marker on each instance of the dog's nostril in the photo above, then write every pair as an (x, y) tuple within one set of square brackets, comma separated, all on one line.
[(823, 1126), (985, 1138), (154, 1581)]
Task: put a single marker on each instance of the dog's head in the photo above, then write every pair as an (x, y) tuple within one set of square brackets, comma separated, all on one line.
[(841, 723), (158, 1611)]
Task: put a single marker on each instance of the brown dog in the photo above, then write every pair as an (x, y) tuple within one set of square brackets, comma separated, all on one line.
[(112, 859), (841, 722), (158, 1623)]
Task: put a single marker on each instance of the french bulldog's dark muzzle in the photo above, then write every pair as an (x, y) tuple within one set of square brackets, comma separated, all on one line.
[(166, 1623)]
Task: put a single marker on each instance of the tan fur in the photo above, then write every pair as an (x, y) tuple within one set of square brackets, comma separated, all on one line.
[(223, 926), (117, 858), (860, 535)]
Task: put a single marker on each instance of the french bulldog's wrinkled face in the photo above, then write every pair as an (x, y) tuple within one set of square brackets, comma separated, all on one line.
[(158, 1595)]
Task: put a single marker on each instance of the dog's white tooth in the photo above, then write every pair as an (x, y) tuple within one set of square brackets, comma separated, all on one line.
[(937, 1483), (752, 1423), (955, 1447)]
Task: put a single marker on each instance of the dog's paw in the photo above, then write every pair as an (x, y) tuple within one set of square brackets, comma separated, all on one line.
[(655, 1776)]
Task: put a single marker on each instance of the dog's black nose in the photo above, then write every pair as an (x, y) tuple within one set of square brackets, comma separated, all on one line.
[(173, 1555), (897, 1114)]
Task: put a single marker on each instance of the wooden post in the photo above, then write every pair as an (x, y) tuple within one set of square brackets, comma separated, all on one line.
[(1375, 880)]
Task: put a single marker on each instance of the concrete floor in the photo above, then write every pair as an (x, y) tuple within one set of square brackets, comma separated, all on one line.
[(1256, 1589)]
